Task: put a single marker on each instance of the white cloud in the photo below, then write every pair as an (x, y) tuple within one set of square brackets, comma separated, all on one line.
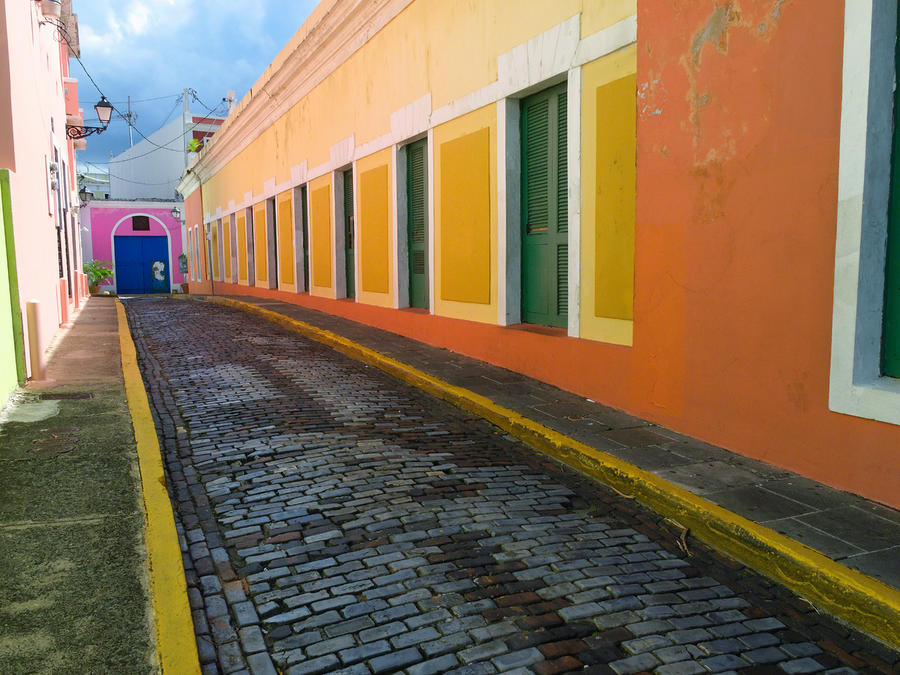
[(154, 48), (138, 18)]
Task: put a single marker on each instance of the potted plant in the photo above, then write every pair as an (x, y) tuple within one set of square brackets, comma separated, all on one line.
[(99, 273)]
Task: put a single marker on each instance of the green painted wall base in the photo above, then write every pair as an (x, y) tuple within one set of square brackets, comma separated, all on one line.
[(12, 344)]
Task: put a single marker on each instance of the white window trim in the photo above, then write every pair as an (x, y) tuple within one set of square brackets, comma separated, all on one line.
[(856, 385)]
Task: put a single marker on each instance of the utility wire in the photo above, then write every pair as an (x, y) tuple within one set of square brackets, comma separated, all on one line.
[(186, 132), (64, 35), (193, 93), (62, 32), (136, 182), (174, 108), (139, 100)]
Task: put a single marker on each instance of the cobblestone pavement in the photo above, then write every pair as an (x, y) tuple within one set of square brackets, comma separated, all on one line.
[(337, 521)]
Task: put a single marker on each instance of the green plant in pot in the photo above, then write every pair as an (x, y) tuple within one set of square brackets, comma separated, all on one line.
[(99, 273)]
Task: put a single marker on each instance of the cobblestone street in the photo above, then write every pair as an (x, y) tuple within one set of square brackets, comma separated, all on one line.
[(336, 520)]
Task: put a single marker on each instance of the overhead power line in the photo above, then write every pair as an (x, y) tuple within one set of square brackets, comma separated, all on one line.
[(128, 180), (190, 129), (63, 34), (137, 100)]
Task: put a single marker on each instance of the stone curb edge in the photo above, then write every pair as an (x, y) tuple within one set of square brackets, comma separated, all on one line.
[(176, 644), (858, 599)]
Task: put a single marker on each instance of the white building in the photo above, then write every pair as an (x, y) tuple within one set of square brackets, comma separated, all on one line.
[(152, 168)]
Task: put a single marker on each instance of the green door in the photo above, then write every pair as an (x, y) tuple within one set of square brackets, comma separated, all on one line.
[(545, 209), (304, 235), (348, 234), (890, 344), (417, 224)]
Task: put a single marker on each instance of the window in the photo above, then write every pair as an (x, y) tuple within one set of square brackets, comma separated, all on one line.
[(863, 378), (140, 223)]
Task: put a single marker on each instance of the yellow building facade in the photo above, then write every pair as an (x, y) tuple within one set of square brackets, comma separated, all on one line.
[(408, 154)]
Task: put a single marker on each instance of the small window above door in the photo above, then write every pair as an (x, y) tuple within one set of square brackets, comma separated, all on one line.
[(140, 223)]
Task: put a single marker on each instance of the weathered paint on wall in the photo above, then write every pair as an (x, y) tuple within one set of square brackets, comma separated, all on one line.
[(736, 211)]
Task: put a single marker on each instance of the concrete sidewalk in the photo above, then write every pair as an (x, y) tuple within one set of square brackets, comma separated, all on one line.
[(848, 531), (73, 592)]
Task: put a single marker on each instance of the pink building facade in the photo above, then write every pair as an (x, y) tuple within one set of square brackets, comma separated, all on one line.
[(41, 258), (110, 233)]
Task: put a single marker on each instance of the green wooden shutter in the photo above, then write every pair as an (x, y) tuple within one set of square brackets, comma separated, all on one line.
[(890, 344), (417, 225), (545, 248), (348, 234), (562, 208), (537, 161), (562, 172)]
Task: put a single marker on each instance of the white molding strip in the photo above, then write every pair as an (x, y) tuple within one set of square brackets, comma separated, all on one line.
[(573, 194)]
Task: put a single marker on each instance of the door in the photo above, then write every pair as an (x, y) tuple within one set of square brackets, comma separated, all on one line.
[(350, 262), (417, 223), (142, 265), (545, 209)]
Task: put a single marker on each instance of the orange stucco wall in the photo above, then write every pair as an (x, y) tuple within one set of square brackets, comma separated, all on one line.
[(738, 131), (193, 215)]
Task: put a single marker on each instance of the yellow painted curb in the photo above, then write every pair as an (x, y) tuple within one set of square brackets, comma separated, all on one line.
[(176, 643), (866, 603)]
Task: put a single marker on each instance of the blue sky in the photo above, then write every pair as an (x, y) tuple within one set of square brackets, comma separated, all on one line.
[(153, 49)]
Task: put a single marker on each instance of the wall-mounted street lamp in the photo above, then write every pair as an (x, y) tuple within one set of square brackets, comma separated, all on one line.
[(104, 113), (176, 214), (84, 195)]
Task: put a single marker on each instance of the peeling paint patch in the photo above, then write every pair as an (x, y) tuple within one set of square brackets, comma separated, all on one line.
[(759, 23), (649, 94), (715, 31)]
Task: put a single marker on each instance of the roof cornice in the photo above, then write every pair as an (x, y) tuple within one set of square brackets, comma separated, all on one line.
[(331, 35), (189, 182)]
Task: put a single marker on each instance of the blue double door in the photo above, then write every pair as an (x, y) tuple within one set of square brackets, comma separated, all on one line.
[(142, 265)]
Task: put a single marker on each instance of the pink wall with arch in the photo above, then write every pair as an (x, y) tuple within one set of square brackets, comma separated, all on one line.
[(109, 220)]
